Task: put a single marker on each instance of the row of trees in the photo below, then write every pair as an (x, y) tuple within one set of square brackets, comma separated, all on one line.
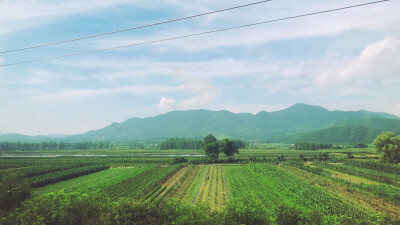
[(182, 143), (213, 147), (311, 146), (25, 146)]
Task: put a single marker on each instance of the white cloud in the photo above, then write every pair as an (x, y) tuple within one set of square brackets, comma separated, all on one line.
[(81, 94), (204, 92), (378, 62), (224, 67), (166, 102)]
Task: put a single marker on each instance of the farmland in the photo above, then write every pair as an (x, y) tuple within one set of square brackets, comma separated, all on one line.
[(269, 181)]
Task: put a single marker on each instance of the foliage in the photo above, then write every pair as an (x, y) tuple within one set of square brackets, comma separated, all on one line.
[(388, 146), (179, 160), (209, 139), (59, 209), (246, 212), (180, 143), (13, 191), (228, 147), (53, 145), (212, 150), (287, 215), (311, 146), (360, 145)]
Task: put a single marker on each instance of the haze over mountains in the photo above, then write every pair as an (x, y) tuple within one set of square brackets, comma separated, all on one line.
[(300, 122)]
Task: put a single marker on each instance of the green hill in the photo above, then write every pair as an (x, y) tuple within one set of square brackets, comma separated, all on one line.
[(346, 131), (299, 122), (198, 123)]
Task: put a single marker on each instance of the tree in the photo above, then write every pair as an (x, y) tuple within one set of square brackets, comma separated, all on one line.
[(388, 146), (209, 139), (228, 147), (212, 150)]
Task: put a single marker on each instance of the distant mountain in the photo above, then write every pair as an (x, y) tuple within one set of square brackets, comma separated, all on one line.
[(299, 122), (198, 123), (346, 131), (23, 138)]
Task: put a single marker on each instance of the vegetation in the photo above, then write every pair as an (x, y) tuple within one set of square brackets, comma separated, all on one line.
[(273, 184), (50, 178), (228, 148), (311, 146), (61, 145), (180, 143), (388, 146)]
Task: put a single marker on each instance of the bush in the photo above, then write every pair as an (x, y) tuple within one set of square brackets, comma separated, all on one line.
[(13, 191), (179, 160), (248, 212), (287, 215), (58, 209)]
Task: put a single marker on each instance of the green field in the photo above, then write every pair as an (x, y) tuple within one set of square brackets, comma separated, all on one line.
[(357, 190), (95, 182)]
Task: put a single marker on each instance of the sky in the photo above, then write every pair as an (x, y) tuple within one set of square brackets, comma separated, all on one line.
[(345, 60)]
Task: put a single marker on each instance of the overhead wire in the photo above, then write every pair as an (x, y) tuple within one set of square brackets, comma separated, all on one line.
[(134, 28), (195, 34)]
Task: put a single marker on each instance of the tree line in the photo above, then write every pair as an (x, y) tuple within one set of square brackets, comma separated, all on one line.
[(52, 145), (182, 143), (311, 146)]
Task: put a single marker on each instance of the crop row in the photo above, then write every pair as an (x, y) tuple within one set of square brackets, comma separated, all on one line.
[(140, 184), (273, 186), (94, 182), (375, 165), (377, 176), (185, 190), (212, 190), (50, 178), (359, 199)]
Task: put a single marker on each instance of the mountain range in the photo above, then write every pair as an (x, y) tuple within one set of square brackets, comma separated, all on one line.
[(300, 122)]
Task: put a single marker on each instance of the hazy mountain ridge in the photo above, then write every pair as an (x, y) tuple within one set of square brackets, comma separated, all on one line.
[(299, 120), (197, 123)]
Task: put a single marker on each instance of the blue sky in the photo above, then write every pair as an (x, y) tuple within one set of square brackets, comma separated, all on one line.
[(347, 60)]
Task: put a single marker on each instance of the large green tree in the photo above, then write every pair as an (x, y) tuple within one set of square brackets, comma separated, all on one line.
[(388, 146), (212, 150), (228, 147), (209, 139)]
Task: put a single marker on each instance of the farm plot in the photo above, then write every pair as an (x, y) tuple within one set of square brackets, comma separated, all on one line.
[(354, 197), (273, 186), (137, 186), (54, 177), (378, 176), (171, 185), (385, 191), (182, 187), (212, 189), (94, 182)]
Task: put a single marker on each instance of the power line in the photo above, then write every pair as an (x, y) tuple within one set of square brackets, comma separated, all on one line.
[(196, 34), (135, 28)]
